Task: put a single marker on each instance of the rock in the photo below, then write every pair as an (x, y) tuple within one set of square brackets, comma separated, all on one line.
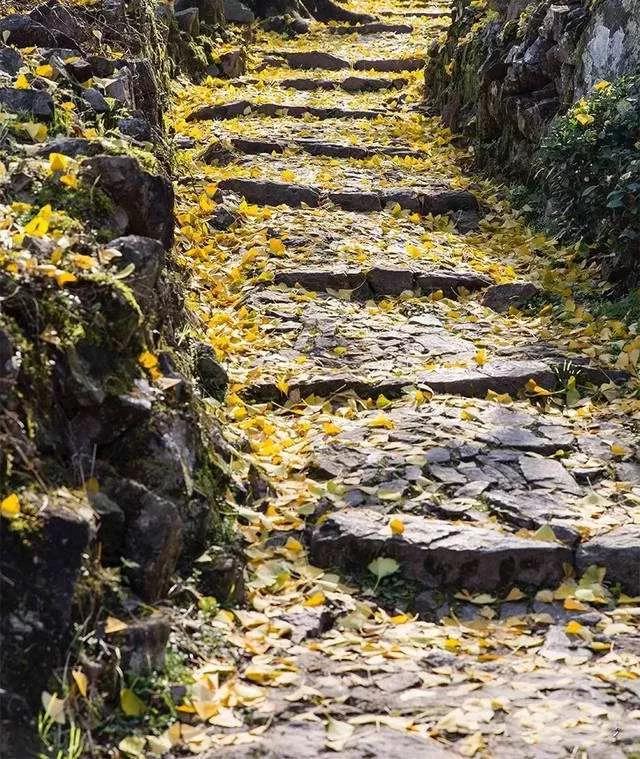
[(366, 84), (212, 376), (220, 573), (431, 605), (111, 528), (438, 554), (233, 63), (23, 31), (272, 193), (143, 645), (148, 257), (308, 623), (153, 541), (146, 198), (70, 146), (450, 281), (619, 552), (390, 64), (548, 474), (237, 12), (136, 128), (34, 103), (95, 100), (501, 297), (121, 88), (245, 107), (308, 85), (315, 60), (9, 363), (10, 60), (39, 571), (372, 28), (188, 21)]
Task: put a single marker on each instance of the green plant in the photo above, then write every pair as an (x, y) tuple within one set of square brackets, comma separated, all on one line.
[(59, 741), (589, 171)]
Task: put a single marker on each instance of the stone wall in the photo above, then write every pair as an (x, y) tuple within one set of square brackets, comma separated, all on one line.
[(521, 81)]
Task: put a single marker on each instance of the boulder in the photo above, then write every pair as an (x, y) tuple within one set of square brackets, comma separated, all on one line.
[(237, 12), (40, 561), (146, 198), (219, 573), (213, 378), (136, 128), (501, 297), (188, 21), (34, 103), (95, 100), (23, 31), (10, 60)]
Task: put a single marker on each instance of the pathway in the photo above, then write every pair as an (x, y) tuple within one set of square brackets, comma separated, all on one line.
[(455, 446)]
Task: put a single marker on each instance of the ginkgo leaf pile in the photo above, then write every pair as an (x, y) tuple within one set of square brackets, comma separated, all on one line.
[(338, 397)]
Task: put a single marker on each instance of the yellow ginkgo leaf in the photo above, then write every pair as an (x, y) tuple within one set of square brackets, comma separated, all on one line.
[(46, 70), (276, 246), (618, 450), (329, 428), (58, 162), (315, 599), (480, 357), (584, 119), (382, 421), (10, 506), (147, 360), (397, 526), (533, 387), (114, 625), (69, 180), (81, 680), (287, 176), (22, 83), (64, 278), (130, 704)]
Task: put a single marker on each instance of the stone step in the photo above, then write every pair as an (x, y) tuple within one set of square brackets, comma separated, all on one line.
[(390, 64), (375, 27), (350, 84), (437, 199), (439, 555), (313, 59), (379, 282), (504, 376), (237, 108), (318, 147), (418, 12)]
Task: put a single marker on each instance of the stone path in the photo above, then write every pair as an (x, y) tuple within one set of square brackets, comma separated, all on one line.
[(463, 450)]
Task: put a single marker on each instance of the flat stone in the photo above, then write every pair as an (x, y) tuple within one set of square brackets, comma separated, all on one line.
[(272, 193), (315, 60), (532, 510), (308, 85), (450, 281), (375, 27), (548, 474), (438, 199), (501, 377), (35, 103), (438, 554), (245, 107), (70, 146), (365, 84), (390, 64), (619, 552)]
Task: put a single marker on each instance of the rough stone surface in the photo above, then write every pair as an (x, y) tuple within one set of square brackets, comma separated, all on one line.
[(34, 103), (147, 199), (619, 552), (438, 554), (501, 297)]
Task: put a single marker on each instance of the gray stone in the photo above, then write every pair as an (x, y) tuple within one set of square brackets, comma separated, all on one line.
[(146, 198), (548, 474), (147, 256), (619, 552), (111, 528), (70, 146), (136, 128), (237, 12), (501, 297), (34, 103), (143, 644), (390, 64), (188, 21), (315, 60), (439, 554), (95, 100), (213, 378), (10, 60)]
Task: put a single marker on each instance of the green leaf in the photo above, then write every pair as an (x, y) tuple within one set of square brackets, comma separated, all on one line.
[(383, 567), (133, 745)]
